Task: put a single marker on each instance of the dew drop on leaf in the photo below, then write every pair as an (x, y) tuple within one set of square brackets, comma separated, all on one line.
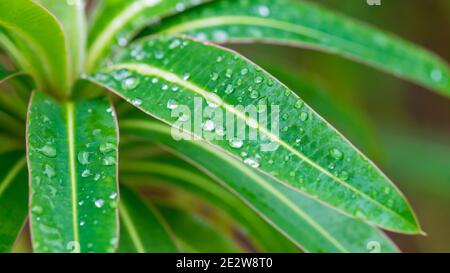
[(236, 143), (83, 158), (336, 153), (48, 151), (172, 104), (99, 203)]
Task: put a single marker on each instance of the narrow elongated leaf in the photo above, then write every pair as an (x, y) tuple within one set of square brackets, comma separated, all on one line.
[(72, 158), (117, 22), (13, 197), (299, 23), (27, 20), (308, 223), (71, 14), (299, 148), (142, 228), (261, 235), (194, 234)]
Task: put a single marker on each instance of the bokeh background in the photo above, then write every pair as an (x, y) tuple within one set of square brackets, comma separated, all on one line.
[(403, 127)]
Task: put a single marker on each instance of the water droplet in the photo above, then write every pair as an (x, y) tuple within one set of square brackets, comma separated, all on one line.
[(155, 80), (228, 73), (236, 143), (130, 83), (159, 54), (214, 76), (336, 153), (38, 210), (174, 44), (108, 161), (220, 36), (259, 79), (244, 71), (80, 203), (298, 104), (344, 175), (252, 162), (186, 76), (82, 223), (136, 102), (107, 147), (436, 75), (254, 94), (86, 173), (209, 125), (165, 87), (113, 195), (264, 11), (83, 158), (49, 171), (97, 177), (48, 151), (172, 104), (229, 89), (99, 203), (304, 116)]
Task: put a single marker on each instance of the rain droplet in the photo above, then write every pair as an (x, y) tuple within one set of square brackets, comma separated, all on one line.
[(336, 153), (236, 143), (86, 173), (220, 36), (159, 54), (172, 104), (304, 116), (113, 195), (264, 11), (108, 161), (107, 147), (436, 75), (136, 102), (49, 171), (228, 73), (252, 162), (244, 71), (165, 87), (37, 210), (229, 89), (48, 151), (99, 203), (174, 44), (258, 79), (209, 125), (130, 83), (186, 76), (298, 104), (83, 158)]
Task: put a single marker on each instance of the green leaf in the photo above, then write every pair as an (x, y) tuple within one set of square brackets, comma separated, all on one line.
[(142, 228), (303, 24), (7, 74), (194, 234), (309, 224), (118, 21), (72, 155), (13, 197), (306, 152), (71, 14), (44, 38), (160, 173)]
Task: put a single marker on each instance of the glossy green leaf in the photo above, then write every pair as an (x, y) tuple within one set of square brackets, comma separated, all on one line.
[(308, 223), (142, 228), (71, 14), (306, 152), (72, 161), (160, 173), (26, 19), (299, 23), (13, 197), (116, 22), (194, 234)]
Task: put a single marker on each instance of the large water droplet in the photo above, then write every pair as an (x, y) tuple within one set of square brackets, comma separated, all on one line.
[(83, 158), (264, 11), (130, 83), (108, 161), (49, 171), (336, 153), (214, 76), (48, 151), (99, 203)]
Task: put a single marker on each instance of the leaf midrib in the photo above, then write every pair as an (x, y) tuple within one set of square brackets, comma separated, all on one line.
[(70, 109), (149, 70)]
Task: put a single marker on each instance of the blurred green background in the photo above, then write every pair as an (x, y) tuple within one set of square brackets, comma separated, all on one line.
[(403, 127)]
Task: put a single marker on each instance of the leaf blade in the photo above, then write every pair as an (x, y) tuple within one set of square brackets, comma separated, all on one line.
[(13, 197), (355, 178), (306, 25), (144, 230), (67, 155)]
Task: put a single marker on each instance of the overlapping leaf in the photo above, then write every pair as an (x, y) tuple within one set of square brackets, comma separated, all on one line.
[(13, 197), (307, 153), (300, 23), (116, 22), (72, 156), (142, 228), (25, 20)]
